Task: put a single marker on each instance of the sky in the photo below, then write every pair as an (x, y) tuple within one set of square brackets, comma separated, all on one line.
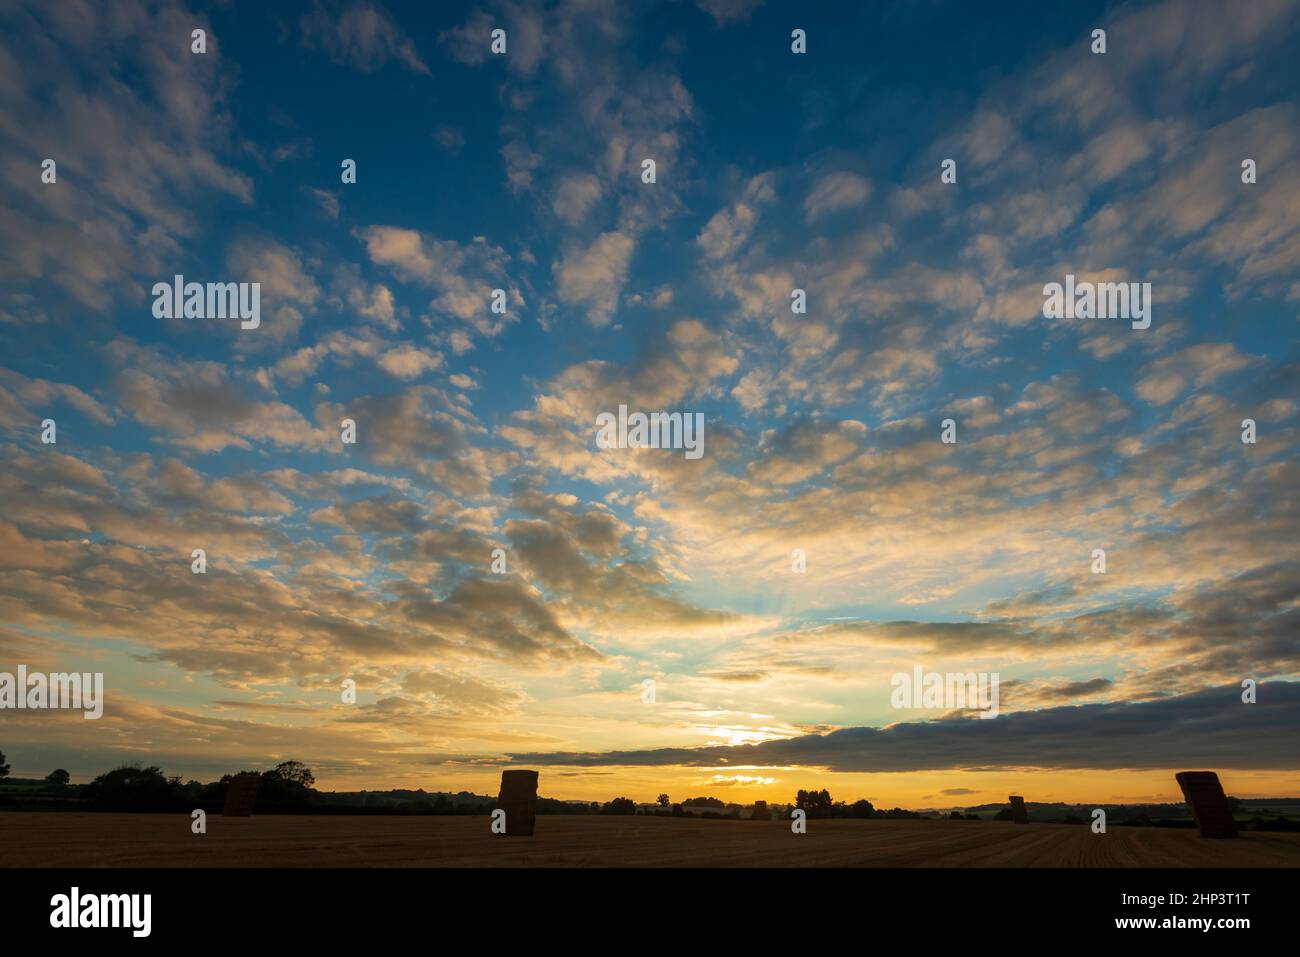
[(827, 538)]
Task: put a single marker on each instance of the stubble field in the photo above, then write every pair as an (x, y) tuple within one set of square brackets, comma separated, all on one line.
[(58, 839)]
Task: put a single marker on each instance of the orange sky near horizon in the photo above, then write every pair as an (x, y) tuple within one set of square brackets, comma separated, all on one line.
[(910, 790)]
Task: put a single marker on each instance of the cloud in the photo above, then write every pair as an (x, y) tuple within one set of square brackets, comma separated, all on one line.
[(1168, 377), (329, 202), (462, 275), (1078, 689), (201, 406), (450, 138), (1206, 729), (361, 35), (731, 228), (408, 362), (277, 267), (420, 428), (575, 194), (729, 11), (593, 276), (141, 128), (42, 392), (286, 289), (834, 192), (471, 42)]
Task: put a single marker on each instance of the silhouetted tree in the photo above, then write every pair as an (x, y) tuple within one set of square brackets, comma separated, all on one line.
[(619, 806), (58, 777), (901, 814), (663, 800), (294, 772), (863, 808), (4, 768), (130, 788), (289, 783), (814, 803), (702, 802)]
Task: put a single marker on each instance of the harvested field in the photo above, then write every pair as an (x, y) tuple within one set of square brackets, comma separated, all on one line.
[(57, 839)]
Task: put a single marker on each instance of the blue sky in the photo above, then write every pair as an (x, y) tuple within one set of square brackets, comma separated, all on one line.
[(775, 171)]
